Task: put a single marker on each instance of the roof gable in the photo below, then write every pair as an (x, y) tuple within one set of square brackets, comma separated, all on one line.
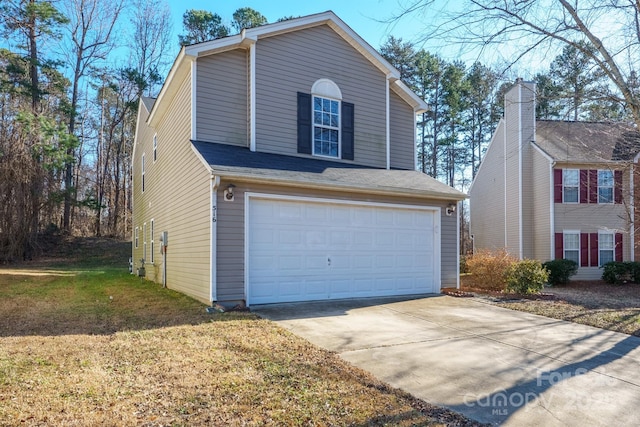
[(250, 36), (587, 142)]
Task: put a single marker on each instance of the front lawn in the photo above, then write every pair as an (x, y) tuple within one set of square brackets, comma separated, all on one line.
[(85, 343), (612, 307)]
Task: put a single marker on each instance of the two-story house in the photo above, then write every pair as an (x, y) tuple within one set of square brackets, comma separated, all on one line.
[(279, 165), (556, 189)]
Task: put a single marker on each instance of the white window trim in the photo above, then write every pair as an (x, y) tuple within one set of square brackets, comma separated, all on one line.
[(136, 238), (564, 186), (612, 187), (151, 240), (313, 127), (564, 244), (613, 245), (155, 147)]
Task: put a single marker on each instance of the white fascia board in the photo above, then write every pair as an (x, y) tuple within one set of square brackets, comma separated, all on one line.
[(409, 96), (141, 106), (171, 84), (493, 137)]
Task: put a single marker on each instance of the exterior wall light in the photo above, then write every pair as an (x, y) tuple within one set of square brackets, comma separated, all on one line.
[(228, 193), (451, 208)]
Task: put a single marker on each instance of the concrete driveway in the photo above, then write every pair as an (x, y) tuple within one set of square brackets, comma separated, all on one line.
[(492, 364)]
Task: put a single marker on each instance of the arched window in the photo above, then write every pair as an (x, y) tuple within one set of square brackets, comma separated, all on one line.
[(326, 118)]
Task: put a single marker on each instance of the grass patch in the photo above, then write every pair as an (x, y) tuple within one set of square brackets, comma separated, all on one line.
[(86, 343), (595, 303)]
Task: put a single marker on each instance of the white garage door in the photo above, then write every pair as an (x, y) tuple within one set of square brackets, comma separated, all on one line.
[(300, 250)]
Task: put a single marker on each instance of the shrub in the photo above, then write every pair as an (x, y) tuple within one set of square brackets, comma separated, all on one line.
[(621, 272), (489, 269), (560, 270), (526, 277)]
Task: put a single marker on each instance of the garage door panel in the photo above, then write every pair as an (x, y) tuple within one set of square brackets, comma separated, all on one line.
[(300, 250)]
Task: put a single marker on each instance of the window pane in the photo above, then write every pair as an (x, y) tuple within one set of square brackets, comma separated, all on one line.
[(570, 177), (605, 257), (572, 241), (570, 195), (573, 256), (334, 107), (605, 178), (334, 121), (605, 195), (605, 241), (317, 103), (317, 117)]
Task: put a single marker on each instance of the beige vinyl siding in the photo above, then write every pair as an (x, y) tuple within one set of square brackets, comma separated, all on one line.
[(222, 97), (540, 204), (143, 145), (177, 197), (402, 131), (231, 229), (486, 197), (291, 63)]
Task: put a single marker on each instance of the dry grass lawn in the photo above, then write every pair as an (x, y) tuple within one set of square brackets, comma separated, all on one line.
[(83, 344), (595, 303)]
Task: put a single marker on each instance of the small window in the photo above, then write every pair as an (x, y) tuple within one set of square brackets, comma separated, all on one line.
[(143, 170), (151, 234), (155, 148), (570, 185), (572, 246), (144, 241), (606, 245), (135, 237), (605, 186)]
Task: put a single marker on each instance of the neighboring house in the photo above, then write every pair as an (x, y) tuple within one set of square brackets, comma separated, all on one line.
[(280, 162), (555, 189)]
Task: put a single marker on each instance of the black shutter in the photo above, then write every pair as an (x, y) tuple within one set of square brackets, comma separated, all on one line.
[(347, 131), (304, 123)]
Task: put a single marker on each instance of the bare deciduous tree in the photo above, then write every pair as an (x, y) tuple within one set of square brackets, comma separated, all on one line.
[(607, 32)]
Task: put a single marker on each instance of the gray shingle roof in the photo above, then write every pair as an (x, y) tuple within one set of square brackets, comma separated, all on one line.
[(239, 162), (584, 142)]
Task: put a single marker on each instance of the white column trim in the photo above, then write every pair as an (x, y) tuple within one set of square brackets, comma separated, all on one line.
[(387, 120), (194, 82), (520, 189), (252, 96)]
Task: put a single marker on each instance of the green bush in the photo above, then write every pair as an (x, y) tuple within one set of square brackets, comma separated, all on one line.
[(560, 270), (526, 277), (621, 272)]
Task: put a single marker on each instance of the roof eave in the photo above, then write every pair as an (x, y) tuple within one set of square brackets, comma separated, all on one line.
[(337, 186)]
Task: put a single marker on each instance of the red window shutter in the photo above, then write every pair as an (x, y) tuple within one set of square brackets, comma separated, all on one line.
[(557, 185), (584, 186), (618, 247), (593, 187), (584, 250), (559, 246), (617, 189), (593, 246)]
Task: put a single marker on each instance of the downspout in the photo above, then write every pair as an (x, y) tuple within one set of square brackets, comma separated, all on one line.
[(213, 277)]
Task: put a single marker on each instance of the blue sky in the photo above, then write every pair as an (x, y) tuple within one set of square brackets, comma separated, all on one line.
[(361, 15)]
